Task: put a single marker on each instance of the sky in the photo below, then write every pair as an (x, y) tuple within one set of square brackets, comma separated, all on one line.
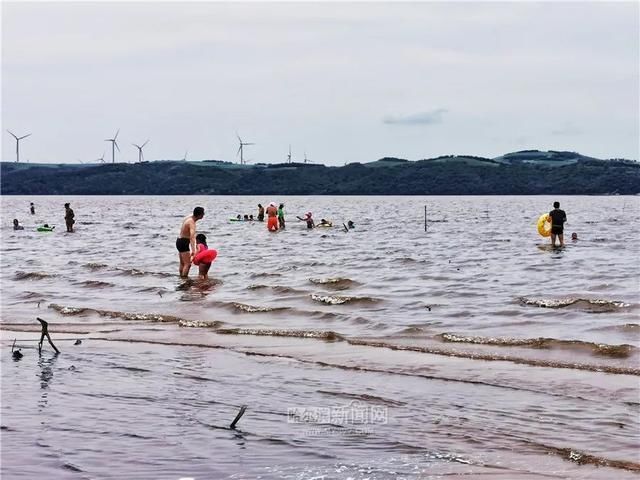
[(341, 82)]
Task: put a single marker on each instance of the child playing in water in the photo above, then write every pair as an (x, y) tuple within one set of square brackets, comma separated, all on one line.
[(203, 268)]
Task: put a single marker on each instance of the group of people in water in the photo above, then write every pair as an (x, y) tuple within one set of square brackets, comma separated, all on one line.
[(275, 218), (193, 249), (69, 219)]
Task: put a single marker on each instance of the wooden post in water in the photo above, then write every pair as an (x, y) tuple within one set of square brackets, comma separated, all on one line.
[(425, 218)]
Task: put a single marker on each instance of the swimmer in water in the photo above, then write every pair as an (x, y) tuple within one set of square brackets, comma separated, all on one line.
[(16, 225), (325, 223), (574, 237), (308, 218), (350, 224)]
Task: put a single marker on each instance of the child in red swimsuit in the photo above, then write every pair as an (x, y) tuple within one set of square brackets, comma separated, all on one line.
[(204, 256)]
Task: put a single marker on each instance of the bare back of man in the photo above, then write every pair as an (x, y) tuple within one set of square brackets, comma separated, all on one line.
[(186, 241)]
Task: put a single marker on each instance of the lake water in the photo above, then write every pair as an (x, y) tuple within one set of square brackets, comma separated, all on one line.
[(473, 349)]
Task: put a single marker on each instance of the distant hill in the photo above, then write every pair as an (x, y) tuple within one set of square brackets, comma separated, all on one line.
[(527, 172)]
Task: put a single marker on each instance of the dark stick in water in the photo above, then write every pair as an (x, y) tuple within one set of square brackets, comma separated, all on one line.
[(45, 333), (17, 355), (238, 417)]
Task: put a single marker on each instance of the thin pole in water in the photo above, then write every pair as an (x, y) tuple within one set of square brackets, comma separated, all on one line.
[(425, 218)]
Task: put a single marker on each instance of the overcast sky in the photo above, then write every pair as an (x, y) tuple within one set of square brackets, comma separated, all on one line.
[(344, 82)]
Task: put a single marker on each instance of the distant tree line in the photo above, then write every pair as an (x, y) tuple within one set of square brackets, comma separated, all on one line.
[(586, 177)]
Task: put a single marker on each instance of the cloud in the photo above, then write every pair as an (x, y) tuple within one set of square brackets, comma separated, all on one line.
[(423, 118)]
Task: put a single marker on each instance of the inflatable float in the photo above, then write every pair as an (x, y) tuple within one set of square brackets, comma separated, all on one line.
[(544, 225), (205, 256), (46, 229)]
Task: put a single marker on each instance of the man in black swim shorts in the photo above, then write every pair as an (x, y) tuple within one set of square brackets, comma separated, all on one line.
[(558, 217), (187, 240)]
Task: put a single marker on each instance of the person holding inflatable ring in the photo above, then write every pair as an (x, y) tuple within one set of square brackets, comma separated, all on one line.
[(204, 257), (558, 218)]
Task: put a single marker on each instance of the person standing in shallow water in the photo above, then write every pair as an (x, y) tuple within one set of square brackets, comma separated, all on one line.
[(32, 208), (281, 216), (186, 241), (260, 213), (272, 217), (69, 217), (558, 218)]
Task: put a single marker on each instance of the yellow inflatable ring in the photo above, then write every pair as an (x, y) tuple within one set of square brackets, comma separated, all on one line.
[(544, 225)]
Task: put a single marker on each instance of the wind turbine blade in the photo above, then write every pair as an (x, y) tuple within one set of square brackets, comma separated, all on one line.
[(116, 135), (24, 136), (145, 143), (249, 144), (137, 146), (116, 144), (12, 134), (239, 149), (108, 139)]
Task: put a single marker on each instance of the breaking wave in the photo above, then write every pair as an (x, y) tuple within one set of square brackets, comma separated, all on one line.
[(335, 283), (275, 288), (265, 274), (200, 323), (95, 266), (243, 307), (148, 317), (20, 275), (324, 335), (340, 300), (95, 284), (134, 272), (599, 349), (582, 304), (499, 358)]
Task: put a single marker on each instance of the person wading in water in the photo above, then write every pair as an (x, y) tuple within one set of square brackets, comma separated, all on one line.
[(558, 217), (187, 239), (69, 217)]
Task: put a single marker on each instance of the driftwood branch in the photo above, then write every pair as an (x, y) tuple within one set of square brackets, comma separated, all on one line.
[(238, 417), (45, 333)]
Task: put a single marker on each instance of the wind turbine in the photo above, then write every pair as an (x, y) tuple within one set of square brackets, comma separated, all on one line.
[(306, 160), (184, 159), (101, 159), (114, 145), (18, 144), (241, 149), (140, 147), (289, 156)]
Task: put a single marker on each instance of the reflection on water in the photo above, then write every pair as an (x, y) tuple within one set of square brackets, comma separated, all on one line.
[(494, 355)]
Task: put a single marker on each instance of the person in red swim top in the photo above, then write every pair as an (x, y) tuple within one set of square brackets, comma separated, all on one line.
[(272, 214), (203, 257)]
